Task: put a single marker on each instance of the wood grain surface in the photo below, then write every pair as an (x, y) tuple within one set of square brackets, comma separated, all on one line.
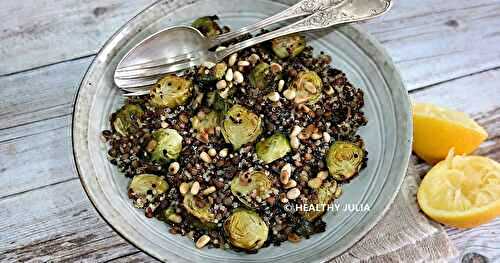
[(448, 53)]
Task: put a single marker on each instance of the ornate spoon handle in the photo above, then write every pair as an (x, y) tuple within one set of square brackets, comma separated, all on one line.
[(347, 11), (302, 8)]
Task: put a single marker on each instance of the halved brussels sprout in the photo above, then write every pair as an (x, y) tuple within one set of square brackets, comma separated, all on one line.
[(144, 184), (207, 121), (171, 91), (126, 120), (216, 73), (273, 148), (207, 26), (246, 229), (324, 196), (260, 76), (204, 213), (307, 86), (240, 126), (251, 187), (344, 160), (169, 145), (287, 46)]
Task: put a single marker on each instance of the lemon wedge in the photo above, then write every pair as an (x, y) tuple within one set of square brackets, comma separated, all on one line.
[(436, 130), (461, 191)]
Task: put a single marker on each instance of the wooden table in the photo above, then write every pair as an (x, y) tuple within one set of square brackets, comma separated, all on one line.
[(448, 53)]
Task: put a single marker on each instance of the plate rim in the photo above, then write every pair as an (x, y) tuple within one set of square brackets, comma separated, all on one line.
[(397, 78)]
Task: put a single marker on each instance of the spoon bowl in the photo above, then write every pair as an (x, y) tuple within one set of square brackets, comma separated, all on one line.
[(167, 43)]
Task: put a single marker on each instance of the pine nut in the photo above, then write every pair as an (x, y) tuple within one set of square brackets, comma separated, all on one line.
[(232, 59), (202, 241), (296, 130), (229, 75), (205, 157), (294, 142), (195, 188), (326, 137), (238, 77), (223, 152), (273, 96), (243, 63), (209, 190), (221, 84), (212, 152), (281, 84), (293, 193)]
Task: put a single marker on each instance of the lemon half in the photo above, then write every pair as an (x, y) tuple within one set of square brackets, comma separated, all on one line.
[(461, 191), (436, 130)]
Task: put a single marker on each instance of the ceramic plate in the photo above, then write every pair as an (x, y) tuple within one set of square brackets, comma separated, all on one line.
[(387, 136)]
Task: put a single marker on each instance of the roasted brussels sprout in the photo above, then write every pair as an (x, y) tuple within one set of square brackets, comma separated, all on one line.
[(251, 187), (204, 122), (240, 126), (246, 229), (169, 145), (207, 26), (307, 86), (126, 120), (324, 196), (260, 76), (288, 46), (171, 91), (273, 148), (198, 208), (144, 184), (211, 76), (344, 160)]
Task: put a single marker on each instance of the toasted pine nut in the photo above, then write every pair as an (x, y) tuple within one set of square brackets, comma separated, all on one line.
[(232, 59), (202, 241), (195, 188), (293, 193)]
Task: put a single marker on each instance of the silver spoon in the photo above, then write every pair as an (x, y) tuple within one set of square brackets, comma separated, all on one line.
[(134, 77), (176, 44)]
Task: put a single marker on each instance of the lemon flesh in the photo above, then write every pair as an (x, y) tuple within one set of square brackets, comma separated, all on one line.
[(436, 130), (461, 191)]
